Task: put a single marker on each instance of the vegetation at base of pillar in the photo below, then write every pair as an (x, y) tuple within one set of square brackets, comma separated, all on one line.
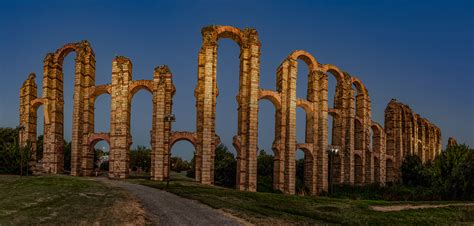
[(264, 172), (450, 176), (225, 167), (13, 158), (140, 159)]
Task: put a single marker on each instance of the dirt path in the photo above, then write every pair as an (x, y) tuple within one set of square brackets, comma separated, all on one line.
[(164, 208), (393, 208)]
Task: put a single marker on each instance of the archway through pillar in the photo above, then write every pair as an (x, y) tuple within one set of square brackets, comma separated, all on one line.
[(69, 76), (39, 133), (140, 119), (269, 174), (100, 150), (102, 113), (227, 71), (183, 160), (358, 170)]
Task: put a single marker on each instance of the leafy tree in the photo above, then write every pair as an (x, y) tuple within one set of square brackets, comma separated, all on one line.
[(140, 158), (414, 173), (39, 147), (453, 172), (225, 167), (67, 156), (300, 186), (192, 169), (13, 158), (264, 172), (178, 164)]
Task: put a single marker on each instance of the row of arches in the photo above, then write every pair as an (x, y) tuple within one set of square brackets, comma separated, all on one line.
[(345, 123)]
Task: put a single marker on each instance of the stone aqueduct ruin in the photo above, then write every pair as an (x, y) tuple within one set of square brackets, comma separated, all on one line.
[(368, 152)]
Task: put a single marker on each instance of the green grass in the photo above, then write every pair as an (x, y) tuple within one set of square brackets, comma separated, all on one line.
[(264, 208), (58, 200)]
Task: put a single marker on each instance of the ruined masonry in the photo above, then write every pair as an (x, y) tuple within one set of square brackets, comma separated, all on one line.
[(368, 152)]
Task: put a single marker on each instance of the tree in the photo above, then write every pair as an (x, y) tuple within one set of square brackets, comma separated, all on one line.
[(225, 167), (264, 172), (414, 173), (140, 158)]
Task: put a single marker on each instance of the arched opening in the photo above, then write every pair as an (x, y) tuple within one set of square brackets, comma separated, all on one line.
[(420, 150), (376, 170), (301, 187), (301, 125), (101, 150), (269, 173), (227, 71), (390, 174), (182, 162), (69, 78), (102, 113), (332, 88), (358, 135), (141, 113), (358, 168), (39, 133), (336, 159)]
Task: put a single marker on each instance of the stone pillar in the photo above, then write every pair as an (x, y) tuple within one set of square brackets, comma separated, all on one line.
[(120, 138), (290, 143), (27, 134), (53, 154), (162, 106), (312, 129), (280, 128), (321, 146)]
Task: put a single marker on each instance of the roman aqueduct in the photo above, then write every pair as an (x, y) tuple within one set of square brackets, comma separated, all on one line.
[(369, 153)]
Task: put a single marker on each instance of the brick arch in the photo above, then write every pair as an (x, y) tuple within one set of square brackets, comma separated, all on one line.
[(305, 105), (306, 57), (96, 91), (272, 96), (360, 87), (94, 138), (211, 34), (82, 49), (358, 169), (334, 70), (307, 148), (334, 112), (183, 135), (138, 85)]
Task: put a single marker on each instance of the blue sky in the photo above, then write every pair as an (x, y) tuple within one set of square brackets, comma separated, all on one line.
[(420, 52)]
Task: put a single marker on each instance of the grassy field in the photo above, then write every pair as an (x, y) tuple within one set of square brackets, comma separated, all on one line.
[(269, 208), (64, 199)]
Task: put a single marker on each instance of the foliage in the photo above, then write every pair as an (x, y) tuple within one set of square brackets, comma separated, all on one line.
[(264, 172), (192, 168), (178, 164), (39, 147), (67, 156), (140, 158), (414, 173), (225, 167), (13, 158), (450, 176)]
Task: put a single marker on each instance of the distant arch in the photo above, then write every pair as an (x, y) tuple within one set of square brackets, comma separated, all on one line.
[(272, 96)]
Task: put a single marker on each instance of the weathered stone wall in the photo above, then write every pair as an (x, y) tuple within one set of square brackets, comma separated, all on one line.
[(408, 134), (367, 153)]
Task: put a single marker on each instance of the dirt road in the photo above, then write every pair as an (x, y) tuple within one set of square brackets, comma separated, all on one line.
[(163, 208)]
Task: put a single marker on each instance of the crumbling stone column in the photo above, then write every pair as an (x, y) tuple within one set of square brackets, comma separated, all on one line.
[(120, 138), (163, 91), (27, 132)]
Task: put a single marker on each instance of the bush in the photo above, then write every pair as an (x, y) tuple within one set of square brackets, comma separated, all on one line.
[(13, 159), (264, 172), (225, 167), (140, 158)]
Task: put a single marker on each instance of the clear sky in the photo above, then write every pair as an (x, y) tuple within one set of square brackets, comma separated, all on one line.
[(419, 52)]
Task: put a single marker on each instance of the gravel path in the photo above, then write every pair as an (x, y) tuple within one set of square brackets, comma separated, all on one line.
[(164, 208)]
